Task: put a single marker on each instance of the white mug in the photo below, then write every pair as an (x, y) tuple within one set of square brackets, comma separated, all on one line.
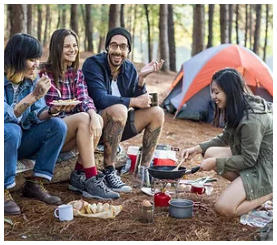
[(65, 212)]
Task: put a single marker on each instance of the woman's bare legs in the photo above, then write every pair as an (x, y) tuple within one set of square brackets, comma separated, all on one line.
[(232, 201), (78, 136)]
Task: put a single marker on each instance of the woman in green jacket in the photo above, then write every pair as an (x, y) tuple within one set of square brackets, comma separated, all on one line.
[(243, 152)]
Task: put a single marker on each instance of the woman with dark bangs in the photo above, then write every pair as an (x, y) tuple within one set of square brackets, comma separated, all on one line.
[(243, 153), (29, 129), (84, 124)]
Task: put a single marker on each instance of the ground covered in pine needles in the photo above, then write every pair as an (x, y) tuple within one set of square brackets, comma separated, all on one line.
[(37, 221)]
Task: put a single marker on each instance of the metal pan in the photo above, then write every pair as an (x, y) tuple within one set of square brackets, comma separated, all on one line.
[(165, 172)]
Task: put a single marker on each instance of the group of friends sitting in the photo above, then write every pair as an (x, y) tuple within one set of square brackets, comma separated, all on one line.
[(114, 106)]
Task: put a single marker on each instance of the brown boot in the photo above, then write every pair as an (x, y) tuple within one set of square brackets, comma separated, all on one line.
[(10, 206), (34, 188)]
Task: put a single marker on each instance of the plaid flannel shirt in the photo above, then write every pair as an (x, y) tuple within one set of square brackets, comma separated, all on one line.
[(72, 87)]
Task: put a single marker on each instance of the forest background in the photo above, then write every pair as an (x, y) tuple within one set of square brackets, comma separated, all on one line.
[(174, 32)]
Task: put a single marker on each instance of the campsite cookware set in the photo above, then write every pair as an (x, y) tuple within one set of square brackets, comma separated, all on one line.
[(165, 172), (183, 208), (178, 208)]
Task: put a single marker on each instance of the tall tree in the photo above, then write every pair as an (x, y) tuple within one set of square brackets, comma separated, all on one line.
[(74, 18), (29, 18), (163, 34), (102, 30), (63, 23), (198, 32), (114, 16), (171, 39), (150, 56), (257, 33), (16, 14), (230, 22), (250, 25), (246, 25), (39, 21), (223, 23), (266, 30), (135, 7), (89, 28), (122, 22), (237, 23), (47, 19), (211, 24)]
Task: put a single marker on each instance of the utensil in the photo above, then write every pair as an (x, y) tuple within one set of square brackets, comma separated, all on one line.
[(179, 164), (58, 91), (165, 172)]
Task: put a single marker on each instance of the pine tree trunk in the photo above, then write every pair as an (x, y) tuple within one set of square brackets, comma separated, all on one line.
[(164, 51), (134, 31), (198, 32), (171, 39), (63, 24), (150, 56), (223, 23), (29, 18), (114, 16), (39, 22), (16, 18), (266, 31), (230, 20), (101, 44), (250, 25), (211, 21), (246, 25), (257, 33), (237, 23), (89, 28), (74, 18), (47, 18), (122, 22)]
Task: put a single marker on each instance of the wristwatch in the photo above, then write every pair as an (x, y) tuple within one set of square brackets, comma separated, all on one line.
[(52, 114)]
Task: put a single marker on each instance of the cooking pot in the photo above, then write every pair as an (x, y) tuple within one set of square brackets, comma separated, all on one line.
[(165, 172), (181, 208)]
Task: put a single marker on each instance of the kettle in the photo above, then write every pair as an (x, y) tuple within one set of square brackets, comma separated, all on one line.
[(161, 199)]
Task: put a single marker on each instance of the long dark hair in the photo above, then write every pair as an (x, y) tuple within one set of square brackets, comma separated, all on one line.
[(18, 49), (233, 85), (54, 63)]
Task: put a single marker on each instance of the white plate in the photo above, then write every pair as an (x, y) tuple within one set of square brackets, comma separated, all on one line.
[(60, 103)]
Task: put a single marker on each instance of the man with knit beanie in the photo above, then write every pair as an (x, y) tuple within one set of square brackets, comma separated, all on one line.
[(120, 96)]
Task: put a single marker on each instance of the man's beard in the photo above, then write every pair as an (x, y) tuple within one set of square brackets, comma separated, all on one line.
[(111, 59)]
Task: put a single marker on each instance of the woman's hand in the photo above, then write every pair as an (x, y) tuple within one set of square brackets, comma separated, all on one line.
[(189, 153), (95, 125), (208, 164), (41, 87)]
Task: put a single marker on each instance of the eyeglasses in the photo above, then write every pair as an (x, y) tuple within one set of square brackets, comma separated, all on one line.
[(123, 46)]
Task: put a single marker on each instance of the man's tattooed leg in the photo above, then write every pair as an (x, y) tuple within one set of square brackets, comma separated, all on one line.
[(150, 139), (111, 137)]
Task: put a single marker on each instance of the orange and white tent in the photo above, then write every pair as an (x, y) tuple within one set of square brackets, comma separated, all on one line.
[(189, 95)]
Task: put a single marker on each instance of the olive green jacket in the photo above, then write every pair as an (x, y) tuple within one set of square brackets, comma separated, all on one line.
[(251, 144)]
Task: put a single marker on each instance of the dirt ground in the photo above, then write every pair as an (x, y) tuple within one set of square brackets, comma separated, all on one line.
[(38, 223)]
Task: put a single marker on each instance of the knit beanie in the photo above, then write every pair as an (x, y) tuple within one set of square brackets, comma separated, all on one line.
[(118, 31)]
